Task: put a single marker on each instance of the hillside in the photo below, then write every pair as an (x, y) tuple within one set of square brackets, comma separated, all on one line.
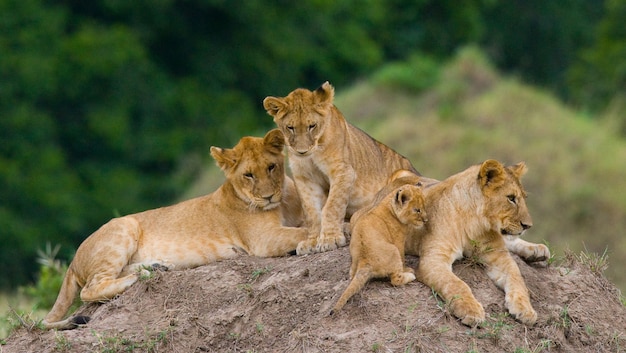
[(281, 305)]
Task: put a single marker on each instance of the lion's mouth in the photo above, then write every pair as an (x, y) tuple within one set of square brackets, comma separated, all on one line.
[(298, 153), (504, 231), (268, 205)]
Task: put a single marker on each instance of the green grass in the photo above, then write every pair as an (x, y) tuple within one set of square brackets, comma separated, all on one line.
[(17, 310)]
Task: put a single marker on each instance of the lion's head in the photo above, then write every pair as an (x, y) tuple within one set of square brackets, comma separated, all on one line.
[(302, 116), (505, 197), (255, 169), (408, 205)]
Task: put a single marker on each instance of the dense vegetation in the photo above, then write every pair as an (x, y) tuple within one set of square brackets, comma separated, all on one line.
[(109, 107)]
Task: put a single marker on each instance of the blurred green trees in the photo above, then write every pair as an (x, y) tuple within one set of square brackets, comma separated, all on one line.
[(108, 107), (599, 73)]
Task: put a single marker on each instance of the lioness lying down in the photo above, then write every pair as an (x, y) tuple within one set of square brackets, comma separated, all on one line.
[(479, 212), (242, 215)]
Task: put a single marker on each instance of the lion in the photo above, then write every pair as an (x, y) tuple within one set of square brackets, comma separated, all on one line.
[(478, 213), (378, 238), (337, 168), (242, 216)]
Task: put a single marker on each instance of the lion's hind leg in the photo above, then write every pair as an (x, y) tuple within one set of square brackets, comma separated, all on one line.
[(108, 252)]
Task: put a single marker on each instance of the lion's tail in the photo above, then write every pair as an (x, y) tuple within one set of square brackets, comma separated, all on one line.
[(66, 296), (357, 283)]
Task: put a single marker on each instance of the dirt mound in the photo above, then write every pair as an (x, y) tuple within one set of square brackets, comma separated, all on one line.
[(282, 305)]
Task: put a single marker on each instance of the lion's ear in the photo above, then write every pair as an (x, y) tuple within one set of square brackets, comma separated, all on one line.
[(274, 105), (518, 169), (491, 173), (274, 141), (223, 157), (325, 94), (401, 197), (401, 173)]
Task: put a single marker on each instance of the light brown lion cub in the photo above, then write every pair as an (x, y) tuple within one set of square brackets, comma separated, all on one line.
[(378, 237), (478, 213), (242, 215), (337, 168)]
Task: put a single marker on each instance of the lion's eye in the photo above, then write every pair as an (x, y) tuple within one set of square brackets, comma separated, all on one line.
[(271, 167), (249, 176), (417, 210), (511, 198), (312, 126), (290, 128)]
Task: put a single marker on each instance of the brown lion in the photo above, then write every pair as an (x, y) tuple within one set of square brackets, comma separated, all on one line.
[(478, 213), (378, 237), (241, 216), (337, 168)]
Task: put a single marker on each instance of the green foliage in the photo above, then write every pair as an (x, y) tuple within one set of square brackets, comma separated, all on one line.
[(415, 75), (539, 39), (49, 279), (599, 72)]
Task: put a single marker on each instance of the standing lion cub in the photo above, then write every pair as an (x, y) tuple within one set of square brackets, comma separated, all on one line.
[(242, 215), (337, 168), (378, 237)]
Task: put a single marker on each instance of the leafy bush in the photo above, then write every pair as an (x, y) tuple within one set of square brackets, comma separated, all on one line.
[(415, 75), (49, 279)]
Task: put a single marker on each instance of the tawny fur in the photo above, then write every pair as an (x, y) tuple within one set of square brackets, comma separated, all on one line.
[(378, 237), (242, 215), (337, 168), (478, 213)]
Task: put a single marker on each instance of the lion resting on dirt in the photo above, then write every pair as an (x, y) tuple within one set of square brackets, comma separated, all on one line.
[(337, 168), (478, 213), (242, 215), (378, 237)]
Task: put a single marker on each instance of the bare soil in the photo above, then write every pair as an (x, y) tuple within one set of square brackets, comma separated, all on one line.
[(253, 304)]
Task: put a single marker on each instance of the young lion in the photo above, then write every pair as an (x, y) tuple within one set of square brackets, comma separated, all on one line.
[(242, 215), (378, 237), (337, 168), (480, 212)]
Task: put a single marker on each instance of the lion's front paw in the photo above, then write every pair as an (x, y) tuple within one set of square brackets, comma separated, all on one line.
[(321, 244), (306, 247), (539, 253), (331, 242), (470, 312), (522, 311)]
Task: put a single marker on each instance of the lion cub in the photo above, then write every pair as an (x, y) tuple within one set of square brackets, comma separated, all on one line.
[(337, 167), (378, 237)]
